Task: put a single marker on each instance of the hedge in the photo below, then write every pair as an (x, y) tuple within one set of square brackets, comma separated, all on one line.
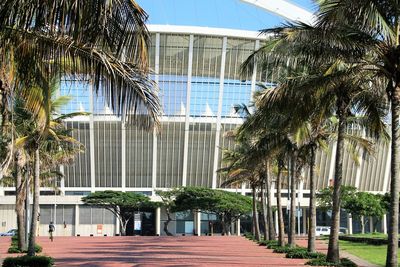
[(28, 261), (344, 262), (304, 254), (368, 240)]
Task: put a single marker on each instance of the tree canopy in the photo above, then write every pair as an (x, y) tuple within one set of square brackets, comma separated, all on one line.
[(121, 204), (228, 206)]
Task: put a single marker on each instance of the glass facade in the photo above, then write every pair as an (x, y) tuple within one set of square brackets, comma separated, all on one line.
[(200, 81)]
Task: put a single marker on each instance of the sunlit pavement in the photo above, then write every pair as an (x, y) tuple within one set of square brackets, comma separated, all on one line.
[(161, 251)]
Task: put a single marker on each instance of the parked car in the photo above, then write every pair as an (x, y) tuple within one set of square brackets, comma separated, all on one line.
[(322, 230), (11, 232)]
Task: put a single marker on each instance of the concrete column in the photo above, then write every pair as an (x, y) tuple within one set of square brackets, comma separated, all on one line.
[(76, 220), (198, 223), (349, 224), (305, 221), (158, 221), (238, 227), (371, 224), (384, 224), (118, 227), (276, 222)]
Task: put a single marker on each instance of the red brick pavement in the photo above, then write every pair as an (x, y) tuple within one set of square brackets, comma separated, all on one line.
[(161, 251), (5, 242)]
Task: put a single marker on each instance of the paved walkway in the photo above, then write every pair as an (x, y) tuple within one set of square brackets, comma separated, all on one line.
[(165, 251), (161, 251), (5, 242)]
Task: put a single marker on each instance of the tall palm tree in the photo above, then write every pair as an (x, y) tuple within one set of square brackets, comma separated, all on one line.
[(325, 71), (106, 40), (44, 131), (379, 21), (243, 168)]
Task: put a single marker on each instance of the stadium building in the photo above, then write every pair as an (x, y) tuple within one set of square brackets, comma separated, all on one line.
[(197, 70)]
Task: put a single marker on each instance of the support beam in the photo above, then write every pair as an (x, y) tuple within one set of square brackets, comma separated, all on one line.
[(349, 224), (198, 223), (238, 227), (76, 232), (284, 9), (158, 221), (384, 224), (276, 222), (117, 227), (332, 166), (156, 79), (219, 114), (187, 115), (305, 221), (386, 178), (123, 157), (371, 224), (91, 139)]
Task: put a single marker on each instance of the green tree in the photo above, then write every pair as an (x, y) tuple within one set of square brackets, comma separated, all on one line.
[(228, 206), (324, 196), (121, 204), (365, 204)]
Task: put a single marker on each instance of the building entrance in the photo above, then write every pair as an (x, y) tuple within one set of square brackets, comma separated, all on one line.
[(143, 223)]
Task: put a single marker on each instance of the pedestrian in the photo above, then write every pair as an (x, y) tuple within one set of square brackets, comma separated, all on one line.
[(51, 230)]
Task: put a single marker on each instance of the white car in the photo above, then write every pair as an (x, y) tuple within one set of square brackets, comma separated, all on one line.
[(11, 232), (322, 230)]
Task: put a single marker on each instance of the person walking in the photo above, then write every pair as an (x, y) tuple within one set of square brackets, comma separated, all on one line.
[(51, 230)]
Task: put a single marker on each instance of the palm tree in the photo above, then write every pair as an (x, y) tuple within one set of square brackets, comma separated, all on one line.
[(281, 223), (243, 168), (44, 132), (325, 72), (379, 22), (106, 40)]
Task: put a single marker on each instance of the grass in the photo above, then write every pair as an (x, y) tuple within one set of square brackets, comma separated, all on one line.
[(370, 253)]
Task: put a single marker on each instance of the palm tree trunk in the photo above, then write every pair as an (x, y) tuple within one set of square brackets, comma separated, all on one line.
[(281, 223), (393, 238), (264, 213), (292, 223), (312, 220), (35, 210), (271, 228), (333, 247), (3, 120), (20, 209), (255, 214)]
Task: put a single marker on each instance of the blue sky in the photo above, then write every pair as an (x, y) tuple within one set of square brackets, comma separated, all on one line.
[(232, 14)]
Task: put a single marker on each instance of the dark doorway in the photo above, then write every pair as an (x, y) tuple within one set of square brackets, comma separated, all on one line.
[(142, 223)]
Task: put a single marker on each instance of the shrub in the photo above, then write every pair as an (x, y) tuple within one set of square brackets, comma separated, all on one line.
[(303, 254), (268, 242), (28, 261), (284, 249), (14, 248), (250, 236), (344, 262)]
